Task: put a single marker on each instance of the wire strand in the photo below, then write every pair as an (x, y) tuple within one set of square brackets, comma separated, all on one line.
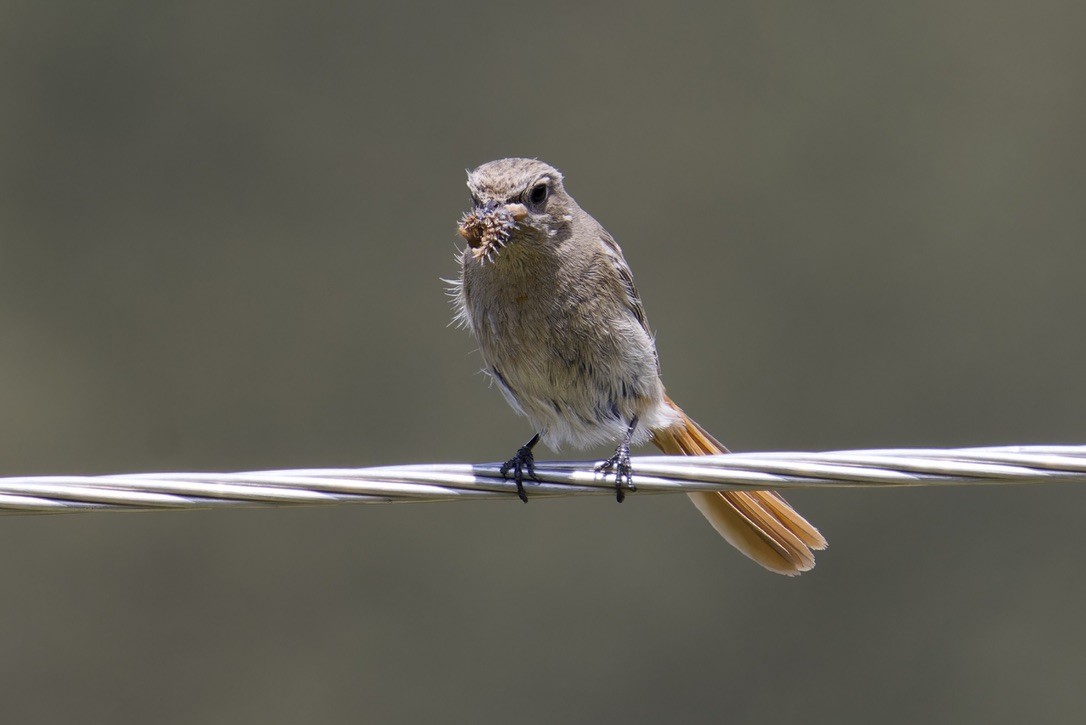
[(462, 481)]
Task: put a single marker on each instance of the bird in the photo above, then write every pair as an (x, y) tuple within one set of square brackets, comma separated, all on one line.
[(551, 302)]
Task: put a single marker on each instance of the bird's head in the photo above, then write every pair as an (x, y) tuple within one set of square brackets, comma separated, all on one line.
[(513, 200)]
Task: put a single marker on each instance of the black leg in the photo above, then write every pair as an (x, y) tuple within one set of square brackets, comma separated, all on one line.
[(620, 465), (523, 461)]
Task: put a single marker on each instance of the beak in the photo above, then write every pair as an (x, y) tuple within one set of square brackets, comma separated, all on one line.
[(517, 211)]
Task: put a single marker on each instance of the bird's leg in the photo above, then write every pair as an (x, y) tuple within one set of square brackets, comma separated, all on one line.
[(520, 463), (620, 464)]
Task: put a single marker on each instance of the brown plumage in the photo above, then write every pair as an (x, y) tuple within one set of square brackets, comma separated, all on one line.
[(549, 297), (760, 524)]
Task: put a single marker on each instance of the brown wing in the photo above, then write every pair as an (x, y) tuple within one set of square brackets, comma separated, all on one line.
[(625, 280)]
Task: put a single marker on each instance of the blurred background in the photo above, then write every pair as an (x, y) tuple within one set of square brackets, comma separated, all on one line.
[(222, 228)]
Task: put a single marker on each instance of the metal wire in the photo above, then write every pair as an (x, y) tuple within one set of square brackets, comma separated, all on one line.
[(461, 481)]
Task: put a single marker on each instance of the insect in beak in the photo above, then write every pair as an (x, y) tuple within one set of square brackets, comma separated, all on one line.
[(487, 227)]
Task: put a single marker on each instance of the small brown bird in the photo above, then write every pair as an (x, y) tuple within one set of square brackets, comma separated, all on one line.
[(548, 295)]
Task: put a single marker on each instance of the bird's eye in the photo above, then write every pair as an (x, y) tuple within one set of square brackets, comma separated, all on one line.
[(538, 194)]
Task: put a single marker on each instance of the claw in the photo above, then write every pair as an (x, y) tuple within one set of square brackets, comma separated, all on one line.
[(521, 462), (620, 465)]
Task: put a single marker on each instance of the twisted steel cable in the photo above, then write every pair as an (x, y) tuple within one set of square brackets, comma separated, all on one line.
[(461, 481)]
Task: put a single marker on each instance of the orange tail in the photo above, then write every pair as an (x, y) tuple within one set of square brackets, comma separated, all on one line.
[(760, 524)]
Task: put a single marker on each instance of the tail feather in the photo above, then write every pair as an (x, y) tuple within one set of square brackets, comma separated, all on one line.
[(760, 524)]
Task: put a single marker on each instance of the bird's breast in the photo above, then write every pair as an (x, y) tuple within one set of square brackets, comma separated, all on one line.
[(561, 350)]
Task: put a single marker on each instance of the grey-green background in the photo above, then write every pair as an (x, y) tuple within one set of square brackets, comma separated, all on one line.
[(222, 228)]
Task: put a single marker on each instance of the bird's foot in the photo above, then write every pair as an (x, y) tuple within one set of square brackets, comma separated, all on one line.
[(523, 462), (620, 465)]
